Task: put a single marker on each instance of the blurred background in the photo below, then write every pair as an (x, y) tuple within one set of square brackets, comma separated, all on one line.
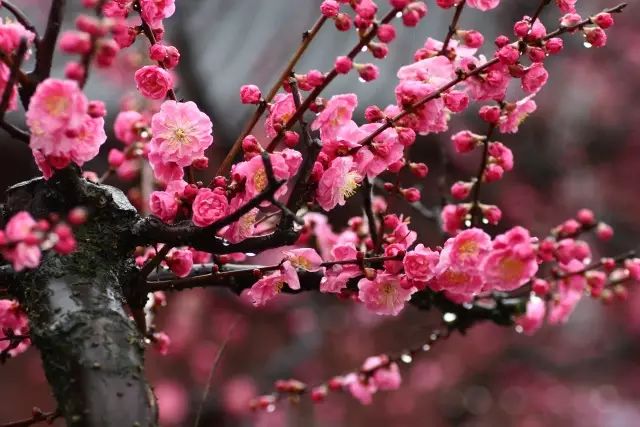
[(580, 149)]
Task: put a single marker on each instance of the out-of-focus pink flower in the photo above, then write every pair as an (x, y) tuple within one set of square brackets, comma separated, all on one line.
[(567, 6), (173, 402), (127, 126), (532, 320), (483, 5)]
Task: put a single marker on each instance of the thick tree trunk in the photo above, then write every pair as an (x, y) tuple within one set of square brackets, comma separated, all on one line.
[(92, 353)]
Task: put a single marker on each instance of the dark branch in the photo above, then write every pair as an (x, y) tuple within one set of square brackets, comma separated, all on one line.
[(13, 77), (47, 45), (37, 417), (20, 16)]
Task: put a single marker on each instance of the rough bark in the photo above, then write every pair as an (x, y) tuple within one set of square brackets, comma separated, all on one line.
[(91, 352)]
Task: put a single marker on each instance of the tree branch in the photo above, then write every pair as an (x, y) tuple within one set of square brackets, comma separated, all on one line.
[(307, 38), (47, 44)]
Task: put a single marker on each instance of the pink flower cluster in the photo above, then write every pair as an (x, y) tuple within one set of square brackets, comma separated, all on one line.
[(377, 374), (23, 239), (65, 127), (13, 319), (90, 40)]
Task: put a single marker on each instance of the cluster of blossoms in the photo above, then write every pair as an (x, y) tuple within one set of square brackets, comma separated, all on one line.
[(14, 327), (469, 264), (93, 39), (23, 239), (572, 277), (65, 127), (376, 260), (11, 35)]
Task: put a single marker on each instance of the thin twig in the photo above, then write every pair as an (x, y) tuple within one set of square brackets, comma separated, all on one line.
[(476, 212), (216, 360), (37, 417), (357, 49), (307, 38), (453, 27)]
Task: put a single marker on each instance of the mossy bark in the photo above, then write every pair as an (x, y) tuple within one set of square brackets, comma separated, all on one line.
[(92, 353)]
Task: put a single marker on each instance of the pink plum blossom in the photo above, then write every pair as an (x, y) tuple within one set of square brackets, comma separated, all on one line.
[(180, 262), (154, 11), (61, 128), (515, 115), (338, 183), (153, 82), (511, 262), (209, 206), (14, 319), (304, 258), (420, 263), (384, 294), (483, 5), (338, 111), (181, 133), (280, 111), (127, 126)]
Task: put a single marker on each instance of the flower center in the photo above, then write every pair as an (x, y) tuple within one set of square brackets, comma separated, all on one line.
[(56, 105), (511, 268), (260, 180), (350, 184)]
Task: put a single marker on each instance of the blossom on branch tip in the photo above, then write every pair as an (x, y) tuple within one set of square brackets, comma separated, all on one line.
[(153, 82), (62, 131), (181, 133)]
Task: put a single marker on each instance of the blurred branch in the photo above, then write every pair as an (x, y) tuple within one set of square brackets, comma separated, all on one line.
[(476, 212), (46, 48), (371, 218), (37, 417), (212, 370), (307, 38)]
